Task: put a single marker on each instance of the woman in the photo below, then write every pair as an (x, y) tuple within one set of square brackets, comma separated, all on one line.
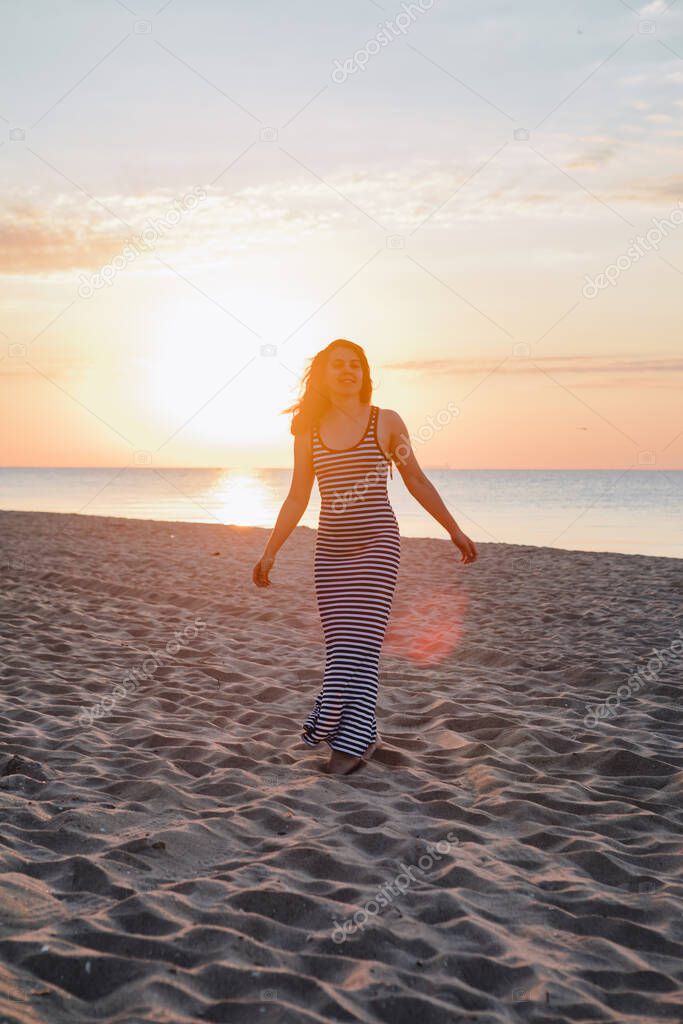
[(348, 444)]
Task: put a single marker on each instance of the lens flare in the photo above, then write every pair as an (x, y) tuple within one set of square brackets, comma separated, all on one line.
[(429, 630)]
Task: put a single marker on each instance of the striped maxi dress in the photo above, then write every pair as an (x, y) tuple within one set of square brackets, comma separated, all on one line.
[(357, 555)]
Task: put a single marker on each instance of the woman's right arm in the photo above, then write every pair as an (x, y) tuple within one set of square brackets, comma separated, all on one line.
[(293, 507)]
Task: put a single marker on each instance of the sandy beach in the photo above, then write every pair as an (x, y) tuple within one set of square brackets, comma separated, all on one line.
[(171, 852)]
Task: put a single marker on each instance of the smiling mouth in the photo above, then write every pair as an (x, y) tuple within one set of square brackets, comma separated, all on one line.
[(347, 380)]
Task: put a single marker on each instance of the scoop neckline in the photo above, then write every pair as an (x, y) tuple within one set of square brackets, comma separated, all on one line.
[(365, 433)]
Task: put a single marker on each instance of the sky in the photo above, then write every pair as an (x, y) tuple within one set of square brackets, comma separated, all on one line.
[(196, 198)]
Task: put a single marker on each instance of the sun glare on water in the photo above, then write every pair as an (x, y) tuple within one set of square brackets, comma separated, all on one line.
[(241, 499)]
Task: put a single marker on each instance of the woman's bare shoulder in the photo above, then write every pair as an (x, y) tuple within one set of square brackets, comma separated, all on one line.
[(391, 419)]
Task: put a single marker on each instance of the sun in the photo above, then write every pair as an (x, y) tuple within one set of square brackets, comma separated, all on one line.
[(219, 387)]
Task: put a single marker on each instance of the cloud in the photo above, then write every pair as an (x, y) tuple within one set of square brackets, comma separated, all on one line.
[(667, 191), (61, 233), (31, 244), (592, 160), (56, 234), (656, 7), (605, 371)]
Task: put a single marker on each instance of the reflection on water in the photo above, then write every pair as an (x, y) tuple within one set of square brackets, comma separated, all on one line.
[(239, 498), (633, 511)]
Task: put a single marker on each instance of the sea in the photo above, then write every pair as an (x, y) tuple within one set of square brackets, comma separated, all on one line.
[(629, 511)]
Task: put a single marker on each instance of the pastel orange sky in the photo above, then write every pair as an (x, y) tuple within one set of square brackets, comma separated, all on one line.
[(196, 200)]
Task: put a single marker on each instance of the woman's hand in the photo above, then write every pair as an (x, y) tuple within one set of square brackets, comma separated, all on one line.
[(466, 546), (261, 570)]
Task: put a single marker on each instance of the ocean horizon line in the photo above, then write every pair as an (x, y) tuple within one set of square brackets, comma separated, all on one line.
[(453, 469)]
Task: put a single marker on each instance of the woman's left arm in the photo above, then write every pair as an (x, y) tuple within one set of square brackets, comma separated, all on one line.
[(421, 488)]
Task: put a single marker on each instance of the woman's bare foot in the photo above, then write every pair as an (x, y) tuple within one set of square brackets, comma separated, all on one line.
[(342, 764), (369, 751)]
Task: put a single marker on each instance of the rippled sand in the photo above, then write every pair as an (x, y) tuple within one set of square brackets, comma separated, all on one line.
[(181, 857)]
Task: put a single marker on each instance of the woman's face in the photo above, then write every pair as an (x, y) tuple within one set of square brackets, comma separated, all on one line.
[(343, 372)]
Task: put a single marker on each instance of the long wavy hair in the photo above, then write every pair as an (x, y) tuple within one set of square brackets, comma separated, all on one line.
[(313, 400)]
